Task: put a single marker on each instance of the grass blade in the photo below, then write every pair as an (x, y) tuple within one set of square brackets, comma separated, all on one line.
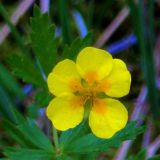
[(64, 20), (144, 29)]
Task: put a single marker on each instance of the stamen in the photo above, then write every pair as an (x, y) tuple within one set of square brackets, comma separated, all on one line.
[(91, 77)]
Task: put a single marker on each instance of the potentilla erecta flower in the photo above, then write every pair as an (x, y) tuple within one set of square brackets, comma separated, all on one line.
[(87, 87)]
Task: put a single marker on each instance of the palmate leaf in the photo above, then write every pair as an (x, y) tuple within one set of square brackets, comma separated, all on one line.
[(76, 46), (24, 68), (68, 136), (89, 143), (45, 48), (28, 154), (43, 40)]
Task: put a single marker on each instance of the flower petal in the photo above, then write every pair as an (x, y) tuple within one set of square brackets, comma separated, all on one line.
[(65, 112), (119, 80), (107, 117), (94, 61), (60, 79)]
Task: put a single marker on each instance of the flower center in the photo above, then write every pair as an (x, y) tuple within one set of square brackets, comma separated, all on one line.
[(86, 90), (89, 88)]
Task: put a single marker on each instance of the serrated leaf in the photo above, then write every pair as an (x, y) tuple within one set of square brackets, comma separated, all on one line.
[(24, 68), (28, 154), (87, 40), (14, 133), (42, 98), (68, 136), (36, 135), (89, 143), (76, 46), (28, 134), (43, 40)]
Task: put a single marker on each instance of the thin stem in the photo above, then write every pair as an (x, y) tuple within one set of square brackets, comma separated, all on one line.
[(55, 137)]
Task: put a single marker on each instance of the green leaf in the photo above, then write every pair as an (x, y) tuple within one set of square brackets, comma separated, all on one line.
[(6, 105), (64, 157), (89, 143), (7, 80), (77, 45), (42, 98), (72, 134), (14, 133), (28, 154), (33, 111), (87, 40), (144, 30), (19, 117), (29, 128), (64, 20), (89, 156), (157, 157), (28, 134), (24, 68), (3, 143), (43, 40)]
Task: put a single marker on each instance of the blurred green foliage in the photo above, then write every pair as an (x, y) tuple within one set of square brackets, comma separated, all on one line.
[(32, 62)]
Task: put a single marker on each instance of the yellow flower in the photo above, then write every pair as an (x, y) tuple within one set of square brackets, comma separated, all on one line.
[(94, 78)]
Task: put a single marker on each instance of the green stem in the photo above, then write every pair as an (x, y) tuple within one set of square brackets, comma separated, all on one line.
[(55, 137)]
